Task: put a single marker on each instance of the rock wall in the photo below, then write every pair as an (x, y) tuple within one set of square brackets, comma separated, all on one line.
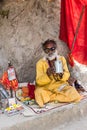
[(24, 25), (28, 24)]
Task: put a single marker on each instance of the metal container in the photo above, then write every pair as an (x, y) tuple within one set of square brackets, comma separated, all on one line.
[(58, 66), (3, 97)]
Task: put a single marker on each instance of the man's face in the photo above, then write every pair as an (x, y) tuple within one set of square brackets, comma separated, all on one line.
[(50, 50)]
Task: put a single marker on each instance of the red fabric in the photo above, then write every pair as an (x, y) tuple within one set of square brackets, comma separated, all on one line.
[(31, 90), (84, 2), (70, 13)]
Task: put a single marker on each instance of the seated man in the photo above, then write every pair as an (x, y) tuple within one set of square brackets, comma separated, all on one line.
[(52, 86)]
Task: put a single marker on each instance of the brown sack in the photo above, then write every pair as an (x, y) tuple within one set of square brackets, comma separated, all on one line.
[(24, 95), (25, 91)]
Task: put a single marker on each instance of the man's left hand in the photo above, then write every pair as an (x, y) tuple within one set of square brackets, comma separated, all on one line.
[(60, 75)]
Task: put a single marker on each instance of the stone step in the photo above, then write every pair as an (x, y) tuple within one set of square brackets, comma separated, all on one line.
[(45, 121)]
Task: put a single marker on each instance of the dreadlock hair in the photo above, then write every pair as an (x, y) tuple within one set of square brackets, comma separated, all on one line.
[(47, 42)]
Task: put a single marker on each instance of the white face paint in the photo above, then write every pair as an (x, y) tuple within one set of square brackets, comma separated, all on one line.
[(51, 56)]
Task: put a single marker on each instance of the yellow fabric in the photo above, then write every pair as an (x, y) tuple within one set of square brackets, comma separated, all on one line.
[(47, 89)]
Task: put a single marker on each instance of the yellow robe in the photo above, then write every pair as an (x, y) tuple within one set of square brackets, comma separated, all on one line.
[(48, 89)]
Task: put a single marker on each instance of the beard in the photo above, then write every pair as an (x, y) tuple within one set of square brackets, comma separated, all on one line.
[(51, 56)]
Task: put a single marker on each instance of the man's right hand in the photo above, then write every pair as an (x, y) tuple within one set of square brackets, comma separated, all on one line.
[(50, 71)]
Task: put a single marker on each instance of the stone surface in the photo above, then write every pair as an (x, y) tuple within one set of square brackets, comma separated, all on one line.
[(29, 23), (50, 120)]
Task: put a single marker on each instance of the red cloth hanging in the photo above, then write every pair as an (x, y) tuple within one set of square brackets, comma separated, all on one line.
[(70, 13)]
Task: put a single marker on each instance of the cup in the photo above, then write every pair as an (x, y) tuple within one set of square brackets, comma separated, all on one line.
[(58, 66)]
